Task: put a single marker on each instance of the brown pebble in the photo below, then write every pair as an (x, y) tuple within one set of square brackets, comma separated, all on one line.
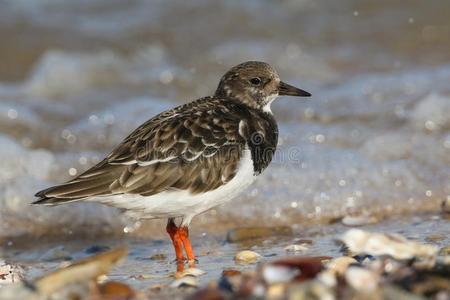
[(309, 267), (231, 272), (157, 287), (248, 233), (116, 290)]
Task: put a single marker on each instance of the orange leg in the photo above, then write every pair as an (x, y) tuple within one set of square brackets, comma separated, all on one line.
[(180, 239), (177, 242), (184, 234)]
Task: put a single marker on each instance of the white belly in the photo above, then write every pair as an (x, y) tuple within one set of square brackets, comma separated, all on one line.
[(172, 204)]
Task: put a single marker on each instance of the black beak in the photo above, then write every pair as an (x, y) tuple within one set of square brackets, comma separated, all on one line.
[(285, 89)]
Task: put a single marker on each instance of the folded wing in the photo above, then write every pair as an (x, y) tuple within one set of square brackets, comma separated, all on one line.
[(195, 147)]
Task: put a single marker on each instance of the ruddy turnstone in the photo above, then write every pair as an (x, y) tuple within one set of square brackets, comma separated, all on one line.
[(191, 158)]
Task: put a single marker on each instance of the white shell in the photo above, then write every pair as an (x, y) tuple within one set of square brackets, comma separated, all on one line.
[(379, 244)]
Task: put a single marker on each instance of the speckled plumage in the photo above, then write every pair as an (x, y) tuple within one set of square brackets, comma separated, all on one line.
[(192, 149)]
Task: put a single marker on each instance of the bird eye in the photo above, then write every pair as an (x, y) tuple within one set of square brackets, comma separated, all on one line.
[(255, 81)]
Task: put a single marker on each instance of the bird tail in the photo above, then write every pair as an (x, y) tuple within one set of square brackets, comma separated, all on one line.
[(94, 182)]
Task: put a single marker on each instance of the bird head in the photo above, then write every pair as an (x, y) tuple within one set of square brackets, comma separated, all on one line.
[(256, 84)]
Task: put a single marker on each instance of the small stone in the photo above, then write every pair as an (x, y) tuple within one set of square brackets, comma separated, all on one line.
[(57, 253), (247, 257), (186, 281), (435, 238), (116, 290), (248, 233), (339, 265), (157, 287), (158, 256), (296, 248), (446, 205), (362, 279), (359, 220)]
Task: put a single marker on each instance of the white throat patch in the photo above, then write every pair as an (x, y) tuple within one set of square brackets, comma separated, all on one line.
[(269, 101)]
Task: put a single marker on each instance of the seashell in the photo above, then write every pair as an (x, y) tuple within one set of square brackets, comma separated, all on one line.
[(275, 291), (274, 274), (362, 279), (328, 278), (247, 257), (379, 244)]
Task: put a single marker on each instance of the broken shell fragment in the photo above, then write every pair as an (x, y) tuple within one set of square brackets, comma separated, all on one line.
[(296, 248), (186, 281), (10, 273), (339, 265), (362, 279), (82, 272), (190, 272)]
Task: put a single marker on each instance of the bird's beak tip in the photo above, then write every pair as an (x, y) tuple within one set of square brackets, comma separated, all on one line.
[(285, 89)]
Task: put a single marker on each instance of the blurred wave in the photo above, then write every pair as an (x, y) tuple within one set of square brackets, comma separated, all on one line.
[(75, 78)]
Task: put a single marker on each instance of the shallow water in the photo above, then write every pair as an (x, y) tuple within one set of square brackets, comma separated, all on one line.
[(375, 137), (214, 253)]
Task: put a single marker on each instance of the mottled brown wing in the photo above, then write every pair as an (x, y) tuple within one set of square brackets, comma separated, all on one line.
[(195, 147)]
